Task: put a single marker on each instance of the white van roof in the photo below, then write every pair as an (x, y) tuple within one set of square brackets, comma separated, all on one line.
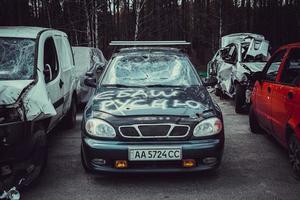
[(22, 31)]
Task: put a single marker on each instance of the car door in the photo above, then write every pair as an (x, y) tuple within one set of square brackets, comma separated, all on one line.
[(67, 65), (286, 94), (52, 72), (264, 89)]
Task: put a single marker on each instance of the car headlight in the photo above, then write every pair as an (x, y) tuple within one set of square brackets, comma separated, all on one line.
[(207, 127), (99, 128), (11, 115)]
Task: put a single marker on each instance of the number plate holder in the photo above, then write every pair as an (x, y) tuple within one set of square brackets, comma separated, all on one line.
[(154, 153)]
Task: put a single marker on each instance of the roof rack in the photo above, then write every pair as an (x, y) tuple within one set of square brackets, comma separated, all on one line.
[(149, 43)]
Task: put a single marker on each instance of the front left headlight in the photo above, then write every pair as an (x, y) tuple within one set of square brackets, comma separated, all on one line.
[(12, 115), (208, 127), (99, 128)]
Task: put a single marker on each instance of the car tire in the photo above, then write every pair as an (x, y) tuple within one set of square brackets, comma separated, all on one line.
[(254, 126), (38, 161), (240, 98), (294, 155), (70, 118)]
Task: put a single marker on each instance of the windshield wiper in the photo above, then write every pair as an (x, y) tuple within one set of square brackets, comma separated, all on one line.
[(161, 85), (116, 85)]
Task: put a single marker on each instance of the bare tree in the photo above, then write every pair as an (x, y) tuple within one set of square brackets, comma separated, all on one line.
[(139, 5)]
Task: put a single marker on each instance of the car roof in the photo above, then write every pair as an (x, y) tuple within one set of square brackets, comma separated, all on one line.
[(136, 50), (287, 46), (22, 31)]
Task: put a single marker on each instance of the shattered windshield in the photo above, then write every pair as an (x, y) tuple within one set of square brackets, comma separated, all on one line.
[(16, 58), (147, 70), (258, 57)]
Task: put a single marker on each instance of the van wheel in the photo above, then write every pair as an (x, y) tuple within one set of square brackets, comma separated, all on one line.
[(38, 161), (254, 126), (240, 98), (294, 155), (70, 118)]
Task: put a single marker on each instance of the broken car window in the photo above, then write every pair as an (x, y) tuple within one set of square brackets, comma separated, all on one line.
[(17, 58), (291, 72), (274, 66), (250, 58), (143, 70)]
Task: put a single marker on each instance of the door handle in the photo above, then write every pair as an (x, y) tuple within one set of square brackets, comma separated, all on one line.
[(290, 95), (61, 83), (269, 89)]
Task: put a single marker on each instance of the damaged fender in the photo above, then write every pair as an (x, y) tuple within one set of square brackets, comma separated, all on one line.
[(29, 95)]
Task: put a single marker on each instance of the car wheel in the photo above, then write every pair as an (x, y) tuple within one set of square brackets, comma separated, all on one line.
[(254, 126), (70, 118), (38, 161), (294, 155), (240, 98)]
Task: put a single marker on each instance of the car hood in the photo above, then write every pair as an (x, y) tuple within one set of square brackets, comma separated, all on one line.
[(255, 66), (189, 101), (11, 90)]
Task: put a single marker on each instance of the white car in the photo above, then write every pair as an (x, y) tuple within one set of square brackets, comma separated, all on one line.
[(241, 54), (37, 91), (87, 59)]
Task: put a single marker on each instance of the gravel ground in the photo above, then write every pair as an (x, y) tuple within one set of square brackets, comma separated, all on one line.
[(253, 167)]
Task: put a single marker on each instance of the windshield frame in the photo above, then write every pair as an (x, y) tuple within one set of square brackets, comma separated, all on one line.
[(35, 62), (192, 68)]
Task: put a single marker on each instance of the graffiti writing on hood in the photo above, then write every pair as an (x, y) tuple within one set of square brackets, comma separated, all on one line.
[(141, 99)]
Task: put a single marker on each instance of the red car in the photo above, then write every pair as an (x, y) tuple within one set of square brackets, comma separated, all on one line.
[(275, 100)]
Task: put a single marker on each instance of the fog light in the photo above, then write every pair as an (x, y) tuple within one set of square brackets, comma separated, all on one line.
[(210, 160), (121, 164), (99, 161), (187, 163)]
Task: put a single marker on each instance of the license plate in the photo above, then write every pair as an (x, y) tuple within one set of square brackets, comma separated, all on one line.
[(154, 153)]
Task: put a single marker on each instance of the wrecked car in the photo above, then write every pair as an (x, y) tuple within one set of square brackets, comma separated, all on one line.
[(37, 90), (241, 55), (151, 112), (87, 60)]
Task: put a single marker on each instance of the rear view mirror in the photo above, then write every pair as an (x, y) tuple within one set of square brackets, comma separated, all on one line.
[(212, 81), (89, 74), (100, 67), (90, 82)]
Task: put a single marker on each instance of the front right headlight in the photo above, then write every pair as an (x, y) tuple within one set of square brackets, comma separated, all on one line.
[(99, 128), (208, 127)]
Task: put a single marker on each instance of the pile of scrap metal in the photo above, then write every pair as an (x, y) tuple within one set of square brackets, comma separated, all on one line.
[(241, 54)]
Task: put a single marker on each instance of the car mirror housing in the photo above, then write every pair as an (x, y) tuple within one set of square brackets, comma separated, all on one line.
[(100, 67), (89, 74), (90, 82)]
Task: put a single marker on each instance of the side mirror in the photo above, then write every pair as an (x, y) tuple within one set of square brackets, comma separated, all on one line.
[(257, 76), (90, 82), (100, 67), (212, 81), (48, 73), (89, 74)]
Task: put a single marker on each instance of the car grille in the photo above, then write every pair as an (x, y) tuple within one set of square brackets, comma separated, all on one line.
[(154, 131)]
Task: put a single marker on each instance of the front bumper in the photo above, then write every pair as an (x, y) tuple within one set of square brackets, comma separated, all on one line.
[(111, 151)]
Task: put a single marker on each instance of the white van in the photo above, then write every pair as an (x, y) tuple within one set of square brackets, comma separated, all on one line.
[(37, 90)]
